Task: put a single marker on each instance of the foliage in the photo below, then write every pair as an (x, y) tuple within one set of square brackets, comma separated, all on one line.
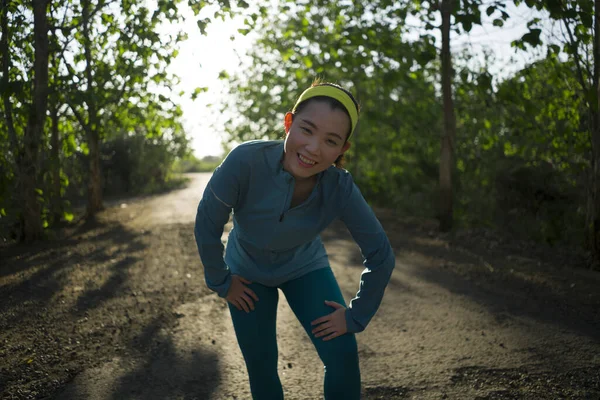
[(579, 43), (109, 90), (516, 157), (192, 164), (339, 43), (521, 143)]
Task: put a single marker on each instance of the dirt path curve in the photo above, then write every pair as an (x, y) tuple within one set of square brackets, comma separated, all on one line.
[(126, 315)]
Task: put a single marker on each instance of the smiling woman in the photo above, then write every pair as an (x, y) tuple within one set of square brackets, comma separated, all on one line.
[(337, 125), (283, 195)]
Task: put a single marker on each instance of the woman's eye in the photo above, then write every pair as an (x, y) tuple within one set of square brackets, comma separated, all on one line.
[(332, 142), (306, 130)]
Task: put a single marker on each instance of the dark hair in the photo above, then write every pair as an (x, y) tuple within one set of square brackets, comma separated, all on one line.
[(335, 105)]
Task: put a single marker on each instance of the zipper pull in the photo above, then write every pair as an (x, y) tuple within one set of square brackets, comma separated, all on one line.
[(281, 217)]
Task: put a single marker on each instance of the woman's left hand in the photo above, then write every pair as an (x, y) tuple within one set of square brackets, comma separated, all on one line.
[(331, 325)]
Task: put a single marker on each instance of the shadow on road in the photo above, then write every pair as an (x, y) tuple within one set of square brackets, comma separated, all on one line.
[(31, 275), (112, 287), (504, 292), (153, 368), (564, 297), (170, 375)]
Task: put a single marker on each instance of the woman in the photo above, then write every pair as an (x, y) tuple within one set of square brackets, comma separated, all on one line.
[(283, 194)]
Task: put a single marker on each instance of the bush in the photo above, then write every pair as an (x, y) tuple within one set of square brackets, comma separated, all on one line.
[(193, 164)]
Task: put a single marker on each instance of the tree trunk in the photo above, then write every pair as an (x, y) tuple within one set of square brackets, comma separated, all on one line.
[(8, 111), (593, 204), (449, 134), (17, 149), (32, 220), (95, 182), (55, 197), (4, 50)]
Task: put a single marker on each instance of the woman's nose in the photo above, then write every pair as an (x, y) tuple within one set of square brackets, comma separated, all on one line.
[(312, 146)]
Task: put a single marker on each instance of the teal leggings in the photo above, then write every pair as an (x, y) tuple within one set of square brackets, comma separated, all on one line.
[(257, 337)]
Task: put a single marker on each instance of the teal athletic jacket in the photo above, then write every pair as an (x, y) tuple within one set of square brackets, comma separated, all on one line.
[(271, 243)]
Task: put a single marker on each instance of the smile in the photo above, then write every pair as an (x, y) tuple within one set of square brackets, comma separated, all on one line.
[(306, 161)]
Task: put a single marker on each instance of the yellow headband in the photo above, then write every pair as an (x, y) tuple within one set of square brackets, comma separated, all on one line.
[(334, 93)]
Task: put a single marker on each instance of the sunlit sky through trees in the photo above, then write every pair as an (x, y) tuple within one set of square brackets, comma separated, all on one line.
[(202, 58)]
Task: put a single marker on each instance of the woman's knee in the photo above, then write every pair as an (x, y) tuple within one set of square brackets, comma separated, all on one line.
[(261, 359), (339, 354), (342, 371)]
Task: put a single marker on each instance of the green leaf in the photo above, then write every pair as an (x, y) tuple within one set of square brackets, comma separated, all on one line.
[(202, 24), (554, 48), (533, 22), (198, 91), (107, 19), (498, 22), (72, 145), (532, 37), (467, 26)]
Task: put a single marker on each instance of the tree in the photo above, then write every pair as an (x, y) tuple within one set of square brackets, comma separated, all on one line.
[(27, 151), (449, 135), (108, 65), (593, 210), (581, 38), (122, 55), (465, 13)]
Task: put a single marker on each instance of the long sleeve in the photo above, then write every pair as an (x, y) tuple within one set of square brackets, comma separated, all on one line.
[(211, 217), (220, 198), (378, 255)]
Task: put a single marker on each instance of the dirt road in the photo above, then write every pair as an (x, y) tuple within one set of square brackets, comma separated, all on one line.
[(118, 309)]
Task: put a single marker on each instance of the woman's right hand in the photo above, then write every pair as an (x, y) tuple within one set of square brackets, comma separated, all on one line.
[(240, 295)]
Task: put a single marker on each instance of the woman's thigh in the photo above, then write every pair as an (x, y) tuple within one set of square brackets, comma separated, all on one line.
[(256, 330), (306, 296)]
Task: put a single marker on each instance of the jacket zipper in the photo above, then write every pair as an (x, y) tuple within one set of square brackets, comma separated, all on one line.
[(285, 205), (301, 205)]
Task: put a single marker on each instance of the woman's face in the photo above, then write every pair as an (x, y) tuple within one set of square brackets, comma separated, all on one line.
[(314, 139)]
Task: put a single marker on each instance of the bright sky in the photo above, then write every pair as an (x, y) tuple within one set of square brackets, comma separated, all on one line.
[(201, 58)]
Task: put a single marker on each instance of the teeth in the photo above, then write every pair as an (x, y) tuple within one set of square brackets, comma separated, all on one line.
[(306, 160)]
